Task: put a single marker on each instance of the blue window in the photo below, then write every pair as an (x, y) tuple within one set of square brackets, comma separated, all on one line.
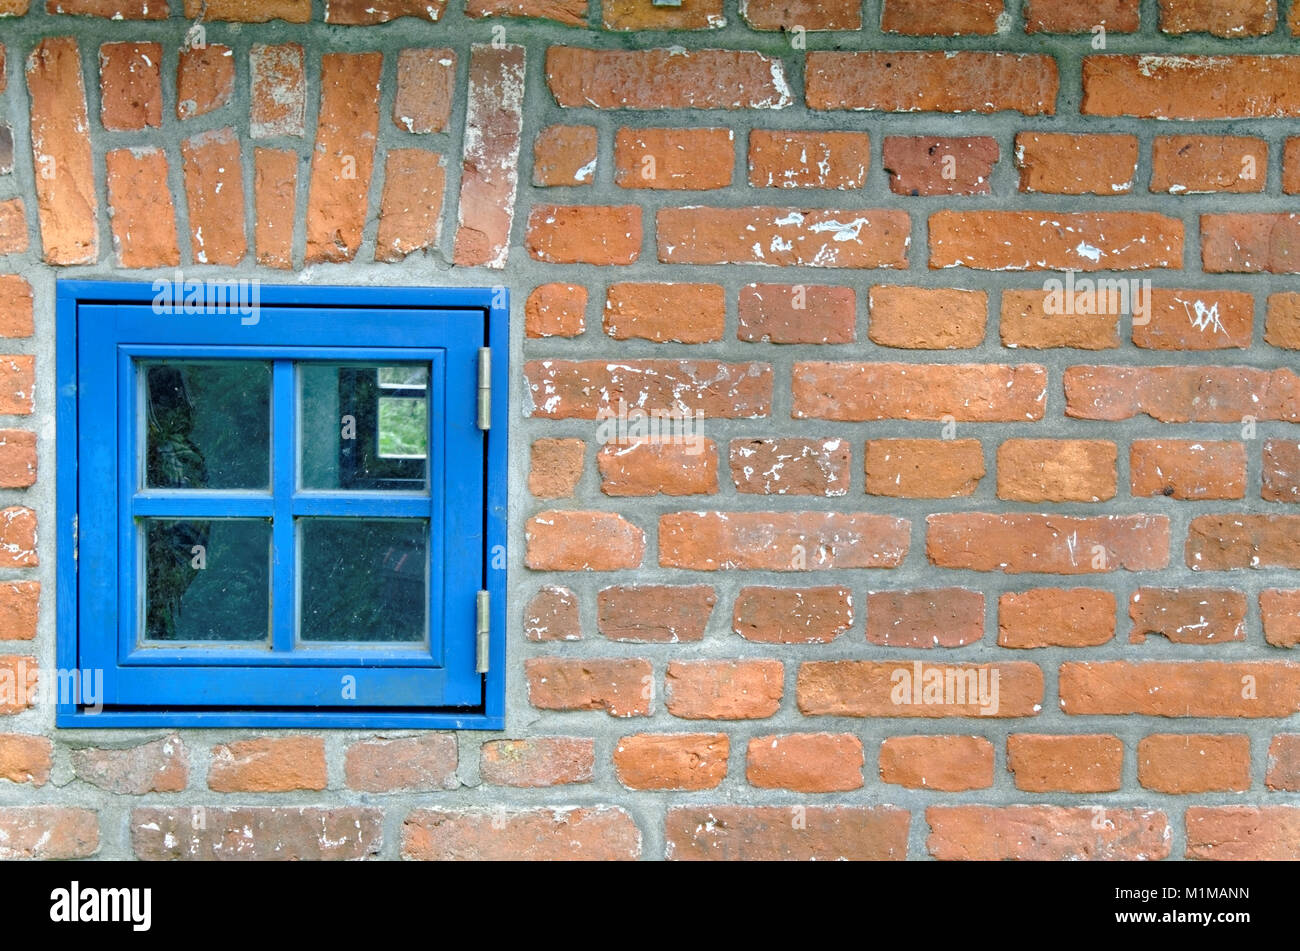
[(281, 506)]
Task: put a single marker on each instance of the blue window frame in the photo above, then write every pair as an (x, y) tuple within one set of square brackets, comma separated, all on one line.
[(290, 513)]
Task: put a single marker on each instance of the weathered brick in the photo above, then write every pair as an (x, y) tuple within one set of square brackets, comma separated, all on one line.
[(1282, 328), (969, 392), (205, 80), (860, 688), (812, 15), (426, 88), (409, 764), (278, 91), (792, 615), (788, 159), (927, 18), (941, 763), (342, 161), (665, 313), (805, 762), (555, 310), (690, 15), (1196, 320), (584, 234), (633, 79), (1056, 470), (1031, 318), (1281, 471), (16, 314), (19, 609), (251, 11), (538, 761), (13, 227), (410, 210), (48, 832), (269, 764), (20, 682), (1250, 243), (1180, 689), (256, 833), (654, 614), (1191, 87), (780, 541), (367, 12), (1243, 833), (275, 198), (590, 833), (926, 165), (140, 207), (214, 195), (552, 615), (1221, 18), (565, 155), (1188, 615), (1183, 763), (1076, 241), (796, 313), (672, 761), (790, 466), (927, 318), (159, 766), (1229, 542), (1280, 612), (924, 468), (17, 381), (17, 458), (582, 541), (1181, 394), (18, 537), (1052, 544), (723, 690), (785, 833), (568, 12), (674, 159), (595, 389), (1080, 16), (1078, 763), (1284, 763), (1060, 164), (904, 81), (1203, 164), (1046, 833), (25, 759), (1056, 617), (111, 9), (665, 465), (939, 617), (130, 86), (555, 466), (621, 687)]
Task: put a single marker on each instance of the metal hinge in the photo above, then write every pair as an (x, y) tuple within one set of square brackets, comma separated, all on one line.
[(483, 629), (484, 388)]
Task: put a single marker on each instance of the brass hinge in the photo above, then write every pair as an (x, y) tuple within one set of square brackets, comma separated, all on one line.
[(483, 630), (484, 388)]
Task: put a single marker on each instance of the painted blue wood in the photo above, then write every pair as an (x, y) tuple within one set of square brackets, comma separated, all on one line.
[(103, 329)]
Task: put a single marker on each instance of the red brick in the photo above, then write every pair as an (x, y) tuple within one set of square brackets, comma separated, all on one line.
[(64, 171), (860, 688), (16, 318), (141, 210), (963, 81), (941, 763), (251, 11), (584, 234), (927, 318), (268, 764), (1060, 164), (1051, 544), (666, 465), (1026, 323), (256, 833), (672, 761), (1232, 18), (17, 380), (783, 237), (48, 832), (1181, 394), (552, 615), (969, 392), (1203, 164), (792, 615), (1046, 833), (214, 194), (634, 79), (939, 617), (1283, 324), (1056, 470), (1281, 471), (538, 761), (130, 86), (278, 91), (582, 541), (790, 466), (780, 541), (1191, 87), (796, 313), (924, 468), (25, 759), (1194, 763), (654, 614), (367, 12), (595, 389), (1076, 241), (786, 833), (426, 87), (1180, 689), (723, 690), (1280, 612), (786, 159), (1056, 617), (805, 762), (111, 9), (343, 157), (205, 80), (926, 165), (555, 466), (410, 211), (621, 687), (555, 310), (1243, 833), (811, 15), (17, 458), (19, 609), (1250, 243), (19, 682), (489, 178), (1075, 764), (18, 537), (927, 18), (1228, 542), (1080, 16), (1284, 763), (568, 12), (565, 155), (159, 766), (665, 313), (409, 764), (630, 15), (589, 833), (275, 198), (1196, 320), (1188, 615)]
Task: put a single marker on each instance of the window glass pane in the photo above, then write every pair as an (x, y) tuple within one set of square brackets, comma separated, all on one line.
[(364, 426), (363, 579), (207, 424), (207, 580)]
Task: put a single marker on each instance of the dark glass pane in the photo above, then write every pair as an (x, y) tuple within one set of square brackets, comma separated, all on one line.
[(363, 579), (207, 580), (207, 425), (365, 426)]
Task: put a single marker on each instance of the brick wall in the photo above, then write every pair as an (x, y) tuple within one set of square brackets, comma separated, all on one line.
[(813, 240)]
